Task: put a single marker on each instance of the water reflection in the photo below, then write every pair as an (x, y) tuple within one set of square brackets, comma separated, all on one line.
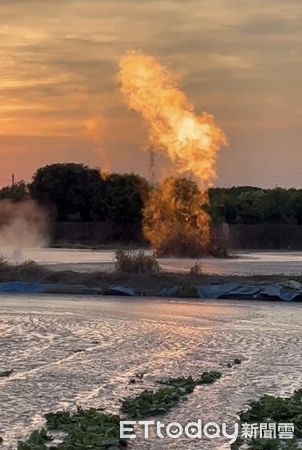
[(67, 352)]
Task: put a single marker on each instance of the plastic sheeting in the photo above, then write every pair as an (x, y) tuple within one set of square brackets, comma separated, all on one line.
[(275, 291), (287, 291), (214, 291), (21, 287), (120, 290)]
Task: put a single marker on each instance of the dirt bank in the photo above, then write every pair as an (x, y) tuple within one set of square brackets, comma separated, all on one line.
[(143, 284)]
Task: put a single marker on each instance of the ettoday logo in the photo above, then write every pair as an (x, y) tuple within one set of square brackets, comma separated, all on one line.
[(210, 430), (175, 430)]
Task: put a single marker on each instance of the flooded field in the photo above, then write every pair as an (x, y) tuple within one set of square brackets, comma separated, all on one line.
[(67, 352), (250, 263)]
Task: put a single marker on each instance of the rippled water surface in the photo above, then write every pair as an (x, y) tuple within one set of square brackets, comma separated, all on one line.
[(66, 352)]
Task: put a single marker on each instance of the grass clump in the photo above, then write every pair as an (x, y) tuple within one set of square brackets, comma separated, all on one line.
[(25, 271), (28, 268), (189, 383), (38, 440), (209, 377), (187, 291), (270, 409), (152, 403), (6, 373), (83, 430), (197, 269), (3, 263), (131, 261)]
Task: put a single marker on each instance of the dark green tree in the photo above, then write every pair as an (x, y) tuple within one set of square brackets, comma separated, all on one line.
[(250, 207), (70, 188), (296, 205), (123, 199), (277, 206), (16, 193)]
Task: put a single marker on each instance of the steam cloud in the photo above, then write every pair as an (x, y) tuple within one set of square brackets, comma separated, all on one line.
[(22, 225)]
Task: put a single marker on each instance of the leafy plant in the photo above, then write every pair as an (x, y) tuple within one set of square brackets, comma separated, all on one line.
[(270, 409), (152, 403), (197, 269), (3, 263), (209, 377), (6, 373), (131, 261), (187, 384), (85, 430), (190, 383), (237, 361)]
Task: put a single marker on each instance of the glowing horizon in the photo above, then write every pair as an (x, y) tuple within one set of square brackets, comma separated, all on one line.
[(240, 61)]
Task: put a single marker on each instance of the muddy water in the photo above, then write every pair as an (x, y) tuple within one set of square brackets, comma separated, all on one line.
[(258, 263), (66, 352)]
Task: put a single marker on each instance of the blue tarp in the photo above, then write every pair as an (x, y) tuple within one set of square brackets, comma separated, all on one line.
[(20, 287), (274, 291), (213, 291), (248, 291), (288, 291), (169, 292), (279, 291), (245, 291), (120, 290)]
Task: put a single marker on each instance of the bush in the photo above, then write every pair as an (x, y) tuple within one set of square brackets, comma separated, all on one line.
[(85, 429), (209, 377), (3, 263), (270, 409), (196, 269), (152, 403), (28, 267), (189, 383), (131, 261), (25, 271)]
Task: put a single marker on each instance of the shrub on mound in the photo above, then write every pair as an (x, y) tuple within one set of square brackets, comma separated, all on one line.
[(131, 261)]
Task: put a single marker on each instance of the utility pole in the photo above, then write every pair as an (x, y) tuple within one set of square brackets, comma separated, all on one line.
[(13, 180), (151, 166)]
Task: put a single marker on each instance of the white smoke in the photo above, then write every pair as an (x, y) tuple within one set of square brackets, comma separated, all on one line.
[(22, 225)]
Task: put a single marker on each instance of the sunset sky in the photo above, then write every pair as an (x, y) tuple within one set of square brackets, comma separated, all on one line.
[(240, 60)]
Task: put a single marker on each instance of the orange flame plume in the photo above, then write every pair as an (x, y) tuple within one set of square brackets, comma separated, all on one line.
[(190, 141)]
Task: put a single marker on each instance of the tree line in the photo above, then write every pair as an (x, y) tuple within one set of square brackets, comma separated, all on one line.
[(75, 192), (252, 205)]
